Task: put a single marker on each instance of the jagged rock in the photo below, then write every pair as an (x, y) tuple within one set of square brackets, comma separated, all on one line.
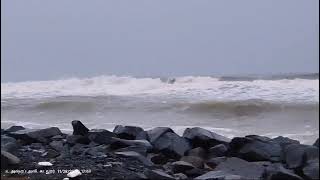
[(218, 150), (219, 175), (155, 133), (158, 175), (181, 166), (311, 170), (9, 144), (14, 129), (172, 145), (296, 155), (277, 171), (139, 149), (284, 141), (101, 136), (137, 156), (74, 139), (316, 143), (194, 160), (56, 145), (180, 176), (256, 148), (198, 151), (8, 160), (203, 138), (127, 132), (158, 158), (97, 151), (79, 128), (35, 135), (245, 169), (214, 162), (121, 143)]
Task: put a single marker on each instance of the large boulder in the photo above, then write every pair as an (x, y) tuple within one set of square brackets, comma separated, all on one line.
[(316, 143), (218, 150), (9, 144), (214, 162), (181, 166), (8, 160), (255, 148), (284, 141), (74, 139), (35, 135), (79, 128), (172, 145), (219, 175), (100, 136), (56, 145), (236, 166), (139, 149), (194, 160), (121, 143), (155, 133), (14, 129), (135, 155), (127, 132), (311, 170), (297, 155), (158, 175), (198, 151), (277, 171), (203, 138)]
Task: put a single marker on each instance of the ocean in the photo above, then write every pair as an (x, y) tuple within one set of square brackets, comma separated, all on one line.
[(281, 105)]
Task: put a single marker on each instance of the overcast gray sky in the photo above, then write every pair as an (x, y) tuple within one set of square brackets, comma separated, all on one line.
[(44, 39)]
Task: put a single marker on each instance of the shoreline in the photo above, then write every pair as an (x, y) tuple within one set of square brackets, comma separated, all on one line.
[(130, 152)]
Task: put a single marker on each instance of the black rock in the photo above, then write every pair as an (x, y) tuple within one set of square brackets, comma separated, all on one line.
[(180, 176), (297, 155), (79, 149), (194, 160), (158, 175), (127, 132), (316, 143), (181, 166), (278, 172), (56, 145), (143, 135), (139, 149), (79, 128), (284, 141), (101, 136), (158, 158), (9, 144), (311, 170), (195, 172), (35, 135), (172, 145), (137, 156), (255, 148), (121, 143), (74, 139), (245, 169), (97, 151), (219, 175), (155, 133), (14, 129), (204, 138), (8, 160), (198, 151), (218, 150), (214, 162)]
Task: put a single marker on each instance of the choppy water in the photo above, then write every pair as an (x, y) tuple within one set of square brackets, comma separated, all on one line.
[(232, 106)]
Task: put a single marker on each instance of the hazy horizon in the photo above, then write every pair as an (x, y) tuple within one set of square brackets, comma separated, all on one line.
[(46, 40)]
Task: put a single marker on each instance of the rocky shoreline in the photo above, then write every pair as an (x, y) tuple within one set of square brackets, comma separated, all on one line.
[(133, 153)]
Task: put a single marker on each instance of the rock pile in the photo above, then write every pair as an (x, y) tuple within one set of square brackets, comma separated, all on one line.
[(132, 153)]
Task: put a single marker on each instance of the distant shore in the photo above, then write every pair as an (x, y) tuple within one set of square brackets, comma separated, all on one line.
[(130, 152)]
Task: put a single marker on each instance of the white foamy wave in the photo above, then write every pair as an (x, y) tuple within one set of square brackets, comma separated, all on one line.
[(202, 88)]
